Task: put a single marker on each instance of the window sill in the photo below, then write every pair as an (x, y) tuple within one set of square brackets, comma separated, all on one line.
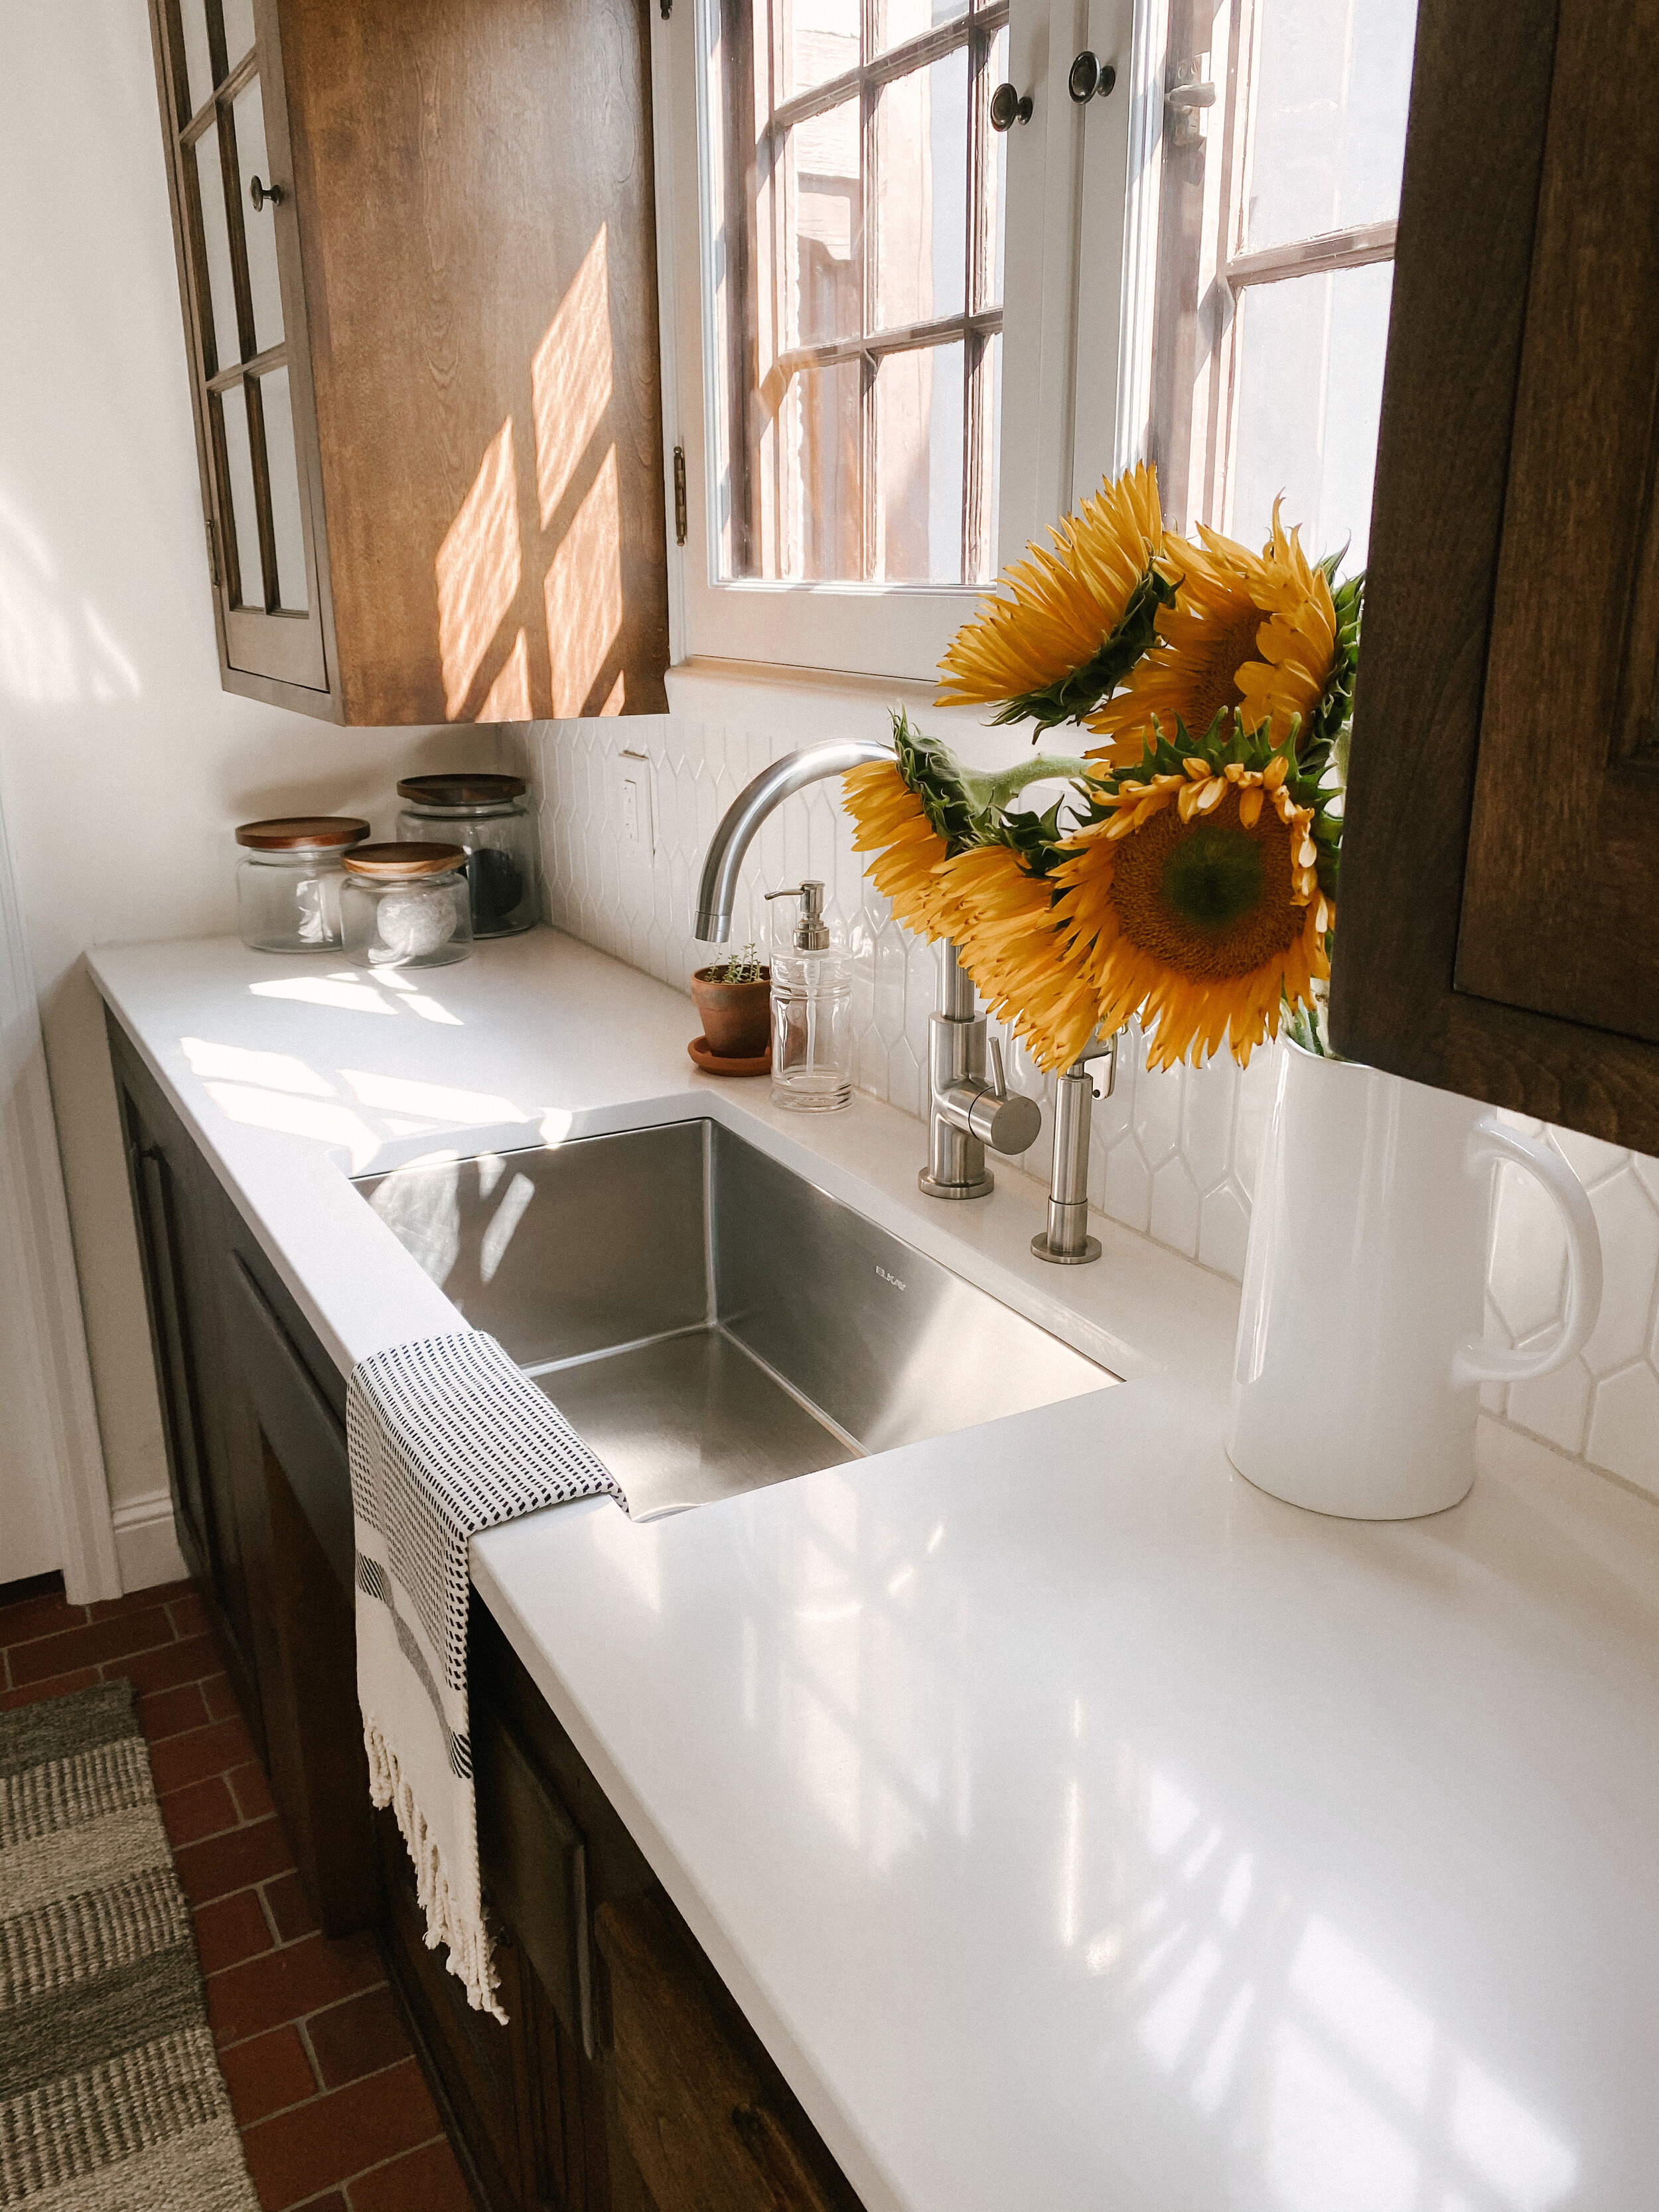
[(815, 703)]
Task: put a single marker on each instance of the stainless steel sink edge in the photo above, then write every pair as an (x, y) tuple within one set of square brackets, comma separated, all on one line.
[(711, 1319)]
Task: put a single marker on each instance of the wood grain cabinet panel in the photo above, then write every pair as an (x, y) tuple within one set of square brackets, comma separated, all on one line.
[(426, 370), (1500, 867)]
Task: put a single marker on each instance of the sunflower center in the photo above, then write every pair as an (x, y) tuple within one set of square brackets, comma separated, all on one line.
[(1217, 661), (1209, 898)]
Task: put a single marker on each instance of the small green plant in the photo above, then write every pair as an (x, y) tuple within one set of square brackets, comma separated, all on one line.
[(743, 967)]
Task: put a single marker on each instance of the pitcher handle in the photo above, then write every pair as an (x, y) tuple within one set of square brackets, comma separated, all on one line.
[(1475, 1362)]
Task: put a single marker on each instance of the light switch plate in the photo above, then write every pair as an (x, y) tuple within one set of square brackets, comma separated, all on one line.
[(633, 812)]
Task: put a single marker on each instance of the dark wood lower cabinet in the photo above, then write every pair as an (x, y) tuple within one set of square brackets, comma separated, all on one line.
[(626, 2079)]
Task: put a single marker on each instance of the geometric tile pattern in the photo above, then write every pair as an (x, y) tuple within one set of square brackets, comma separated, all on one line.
[(1172, 1155)]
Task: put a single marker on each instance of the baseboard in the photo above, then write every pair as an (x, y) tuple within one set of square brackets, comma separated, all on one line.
[(146, 1547)]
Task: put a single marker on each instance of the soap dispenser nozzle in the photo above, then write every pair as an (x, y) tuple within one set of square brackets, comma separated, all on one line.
[(810, 932)]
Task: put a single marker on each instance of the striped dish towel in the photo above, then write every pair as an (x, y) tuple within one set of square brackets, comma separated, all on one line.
[(446, 1437)]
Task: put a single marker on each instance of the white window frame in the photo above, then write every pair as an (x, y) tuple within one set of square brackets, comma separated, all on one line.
[(1076, 346)]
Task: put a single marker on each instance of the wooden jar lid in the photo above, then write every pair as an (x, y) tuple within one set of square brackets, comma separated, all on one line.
[(402, 863), (288, 833), (461, 790)]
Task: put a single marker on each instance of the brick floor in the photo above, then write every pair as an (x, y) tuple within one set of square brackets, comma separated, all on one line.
[(334, 2112)]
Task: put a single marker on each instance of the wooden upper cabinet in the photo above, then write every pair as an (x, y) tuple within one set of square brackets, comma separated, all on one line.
[(1499, 928), (425, 364)]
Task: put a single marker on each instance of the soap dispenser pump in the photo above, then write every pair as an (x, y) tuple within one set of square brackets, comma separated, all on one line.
[(812, 1009)]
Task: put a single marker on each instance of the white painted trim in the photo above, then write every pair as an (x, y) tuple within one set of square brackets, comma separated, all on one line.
[(58, 1419), (146, 1543)]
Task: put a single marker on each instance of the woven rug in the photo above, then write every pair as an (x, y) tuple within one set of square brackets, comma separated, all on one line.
[(111, 2096)]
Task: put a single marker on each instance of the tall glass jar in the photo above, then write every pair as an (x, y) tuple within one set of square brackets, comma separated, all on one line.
[(406, 906), (489, 816), (288, 882)]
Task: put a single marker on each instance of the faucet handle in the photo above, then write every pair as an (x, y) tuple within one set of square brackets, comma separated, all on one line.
[(1000, 1081)]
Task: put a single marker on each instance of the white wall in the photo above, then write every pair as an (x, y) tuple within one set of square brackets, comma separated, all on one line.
[(123, 767)]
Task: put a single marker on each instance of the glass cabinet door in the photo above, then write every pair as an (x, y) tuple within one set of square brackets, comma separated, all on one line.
[(236, 211)]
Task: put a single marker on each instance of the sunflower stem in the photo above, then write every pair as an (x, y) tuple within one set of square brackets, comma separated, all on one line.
[(988, 793)]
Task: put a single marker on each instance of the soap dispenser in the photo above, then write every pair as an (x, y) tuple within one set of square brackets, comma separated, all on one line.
[(811, 1009)]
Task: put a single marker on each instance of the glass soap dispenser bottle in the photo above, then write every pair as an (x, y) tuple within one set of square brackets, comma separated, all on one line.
[(812, 1009)]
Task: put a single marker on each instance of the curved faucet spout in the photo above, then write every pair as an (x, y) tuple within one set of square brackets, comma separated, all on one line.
[(717, 892)]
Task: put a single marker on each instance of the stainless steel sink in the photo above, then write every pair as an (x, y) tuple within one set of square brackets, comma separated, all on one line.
[(709, 1321)]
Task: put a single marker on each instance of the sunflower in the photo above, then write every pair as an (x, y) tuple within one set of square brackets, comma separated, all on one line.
[(1199, 894), (1007, 938), (1252, 635), (914, 811), (1064, 629)]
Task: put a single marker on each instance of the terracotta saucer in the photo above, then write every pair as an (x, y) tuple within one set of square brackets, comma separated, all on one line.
[(712, 1064)]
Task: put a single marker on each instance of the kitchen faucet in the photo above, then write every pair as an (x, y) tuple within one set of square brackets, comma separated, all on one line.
[(967, 1112)]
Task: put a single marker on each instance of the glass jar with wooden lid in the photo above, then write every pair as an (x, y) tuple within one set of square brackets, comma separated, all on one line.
[(406, 906), (489, 818), (288, 881)]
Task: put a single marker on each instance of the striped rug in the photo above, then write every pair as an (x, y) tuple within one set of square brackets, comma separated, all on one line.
[(111, 2097)]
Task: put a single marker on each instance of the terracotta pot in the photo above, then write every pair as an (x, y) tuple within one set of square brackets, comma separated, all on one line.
[(737, 1017)]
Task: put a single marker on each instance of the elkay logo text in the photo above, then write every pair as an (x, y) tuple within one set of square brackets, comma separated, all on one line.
[(886, 1278)]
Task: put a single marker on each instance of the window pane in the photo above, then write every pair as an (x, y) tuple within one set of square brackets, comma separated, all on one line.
[(239, 456), (238, 31), (283, 466), (198, 66), (821, 501), (248, 114), (210, 188), (984, 549), (899, 19), (1332, 88), (831, 231), (919, 469), (817, 39), (921, 188), (1311, 389), (822, 202)]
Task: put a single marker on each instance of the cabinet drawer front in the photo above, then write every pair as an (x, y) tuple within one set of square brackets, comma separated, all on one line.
[(304, 1430), (535, 1865), (701, 2124)]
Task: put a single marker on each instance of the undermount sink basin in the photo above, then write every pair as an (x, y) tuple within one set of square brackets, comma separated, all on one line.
[(708, 1320)]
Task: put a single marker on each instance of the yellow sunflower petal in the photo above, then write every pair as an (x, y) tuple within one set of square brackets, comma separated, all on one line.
[(1052, 613)]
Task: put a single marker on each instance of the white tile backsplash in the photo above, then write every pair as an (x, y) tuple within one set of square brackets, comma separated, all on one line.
[(1172, 1155)]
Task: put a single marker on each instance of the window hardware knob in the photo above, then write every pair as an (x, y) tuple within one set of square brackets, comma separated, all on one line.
[(1091, 78), (1009, 107), (259, 194), (1188, 97)]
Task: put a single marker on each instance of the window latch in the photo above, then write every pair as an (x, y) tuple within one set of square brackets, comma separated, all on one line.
[(214, 576), (1185, 99), (679, 494)]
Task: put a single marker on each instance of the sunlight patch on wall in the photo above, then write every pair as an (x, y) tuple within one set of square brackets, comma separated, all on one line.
[(570, 377), (583, 593), (477, 570)]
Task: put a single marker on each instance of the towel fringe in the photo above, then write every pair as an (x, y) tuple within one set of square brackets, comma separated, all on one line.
[(471, 1959)]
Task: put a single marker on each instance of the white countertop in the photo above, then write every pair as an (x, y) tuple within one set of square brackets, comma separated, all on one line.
[(1078, 1828)]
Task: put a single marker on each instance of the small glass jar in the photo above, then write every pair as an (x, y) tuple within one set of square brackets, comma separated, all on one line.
[(287, 883), (406, 906), (488, 816)]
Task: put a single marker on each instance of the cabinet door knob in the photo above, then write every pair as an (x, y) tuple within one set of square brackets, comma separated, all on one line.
[(1089, 79), (1008, 107), (259, 194)]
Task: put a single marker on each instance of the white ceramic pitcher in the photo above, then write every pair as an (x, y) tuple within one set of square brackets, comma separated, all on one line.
[(1356, 1380)]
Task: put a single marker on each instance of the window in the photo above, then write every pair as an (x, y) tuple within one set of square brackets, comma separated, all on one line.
[(1275, 276), (897, 344), (860, 314)]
